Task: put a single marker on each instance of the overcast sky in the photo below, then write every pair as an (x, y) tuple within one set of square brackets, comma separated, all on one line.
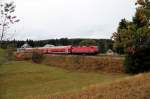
[(46, 19)]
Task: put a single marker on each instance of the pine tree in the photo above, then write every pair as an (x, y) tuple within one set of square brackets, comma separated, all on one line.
[(134, 38)]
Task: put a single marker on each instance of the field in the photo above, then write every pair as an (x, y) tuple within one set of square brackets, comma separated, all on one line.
[(134, 87), (25, 79), (1, 56)]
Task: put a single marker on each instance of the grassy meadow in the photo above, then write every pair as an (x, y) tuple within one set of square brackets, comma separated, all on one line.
[(25, 79), (133, 87), (2, 55)]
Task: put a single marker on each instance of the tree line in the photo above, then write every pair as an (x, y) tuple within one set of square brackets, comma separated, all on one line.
[(103, 44)]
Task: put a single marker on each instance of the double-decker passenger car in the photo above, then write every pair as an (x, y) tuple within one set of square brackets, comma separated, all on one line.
[(65, 50)]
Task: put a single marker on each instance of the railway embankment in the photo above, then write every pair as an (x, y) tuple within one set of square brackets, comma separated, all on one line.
[(108, 64), (105, 63)]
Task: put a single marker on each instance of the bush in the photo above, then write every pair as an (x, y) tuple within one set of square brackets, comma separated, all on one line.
[(10, 54), (138, 62), (37, 57)]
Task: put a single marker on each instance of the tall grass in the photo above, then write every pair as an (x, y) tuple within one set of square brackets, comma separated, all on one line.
[(86, 63)]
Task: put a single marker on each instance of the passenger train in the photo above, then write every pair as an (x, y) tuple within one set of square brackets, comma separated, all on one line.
[(64, 49)]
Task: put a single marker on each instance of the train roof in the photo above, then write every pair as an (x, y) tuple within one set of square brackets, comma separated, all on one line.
[(48, 45)]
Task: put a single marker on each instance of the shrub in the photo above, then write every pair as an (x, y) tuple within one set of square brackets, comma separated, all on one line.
[(10, 54), (37, 57), (139, 61)]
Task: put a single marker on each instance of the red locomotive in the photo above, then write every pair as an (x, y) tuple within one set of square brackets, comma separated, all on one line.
[(65, 50)]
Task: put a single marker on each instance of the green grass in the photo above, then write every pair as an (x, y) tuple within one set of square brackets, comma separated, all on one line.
[(23, 79), (2, 55)]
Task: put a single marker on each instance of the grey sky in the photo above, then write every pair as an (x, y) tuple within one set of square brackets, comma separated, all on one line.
[(45, 19)]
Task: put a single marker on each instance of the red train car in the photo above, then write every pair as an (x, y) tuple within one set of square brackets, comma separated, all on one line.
[(84, 50), (42, 50), (29, 50), (60, 49), (66, 50)]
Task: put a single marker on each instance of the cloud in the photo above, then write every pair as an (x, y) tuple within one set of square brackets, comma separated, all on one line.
[(45, 19)]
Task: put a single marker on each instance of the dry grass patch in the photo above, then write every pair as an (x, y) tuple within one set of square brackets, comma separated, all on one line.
[(107, 64), (136, 87)]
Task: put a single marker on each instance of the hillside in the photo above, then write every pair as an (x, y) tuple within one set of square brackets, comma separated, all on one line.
[(37, 81), (134, 87), (25, 79)]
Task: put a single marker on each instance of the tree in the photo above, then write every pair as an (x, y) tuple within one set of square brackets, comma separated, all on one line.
[(144, 7), (123, 38), (64, 41), (134, 38), (7, 18), (88, 42), (133, 33)]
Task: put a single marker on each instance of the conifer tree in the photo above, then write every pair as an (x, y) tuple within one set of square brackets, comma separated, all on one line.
[(134, 38)]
